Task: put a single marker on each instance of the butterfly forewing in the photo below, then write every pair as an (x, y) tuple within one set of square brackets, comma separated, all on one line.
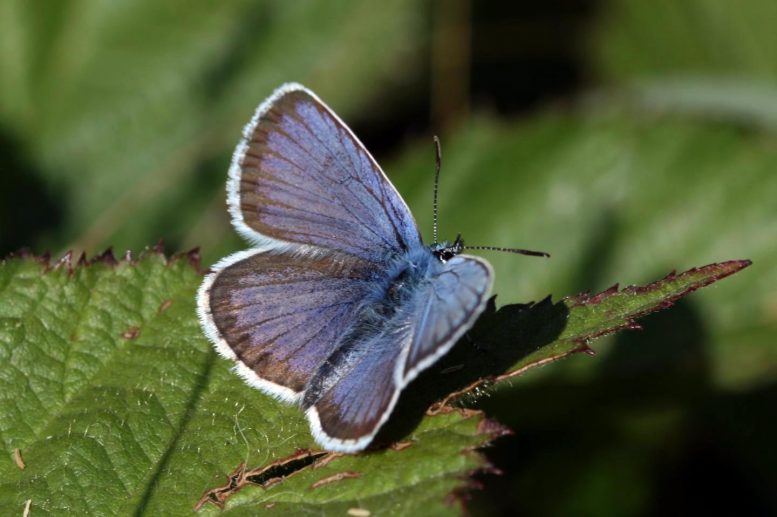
[(302, 177)]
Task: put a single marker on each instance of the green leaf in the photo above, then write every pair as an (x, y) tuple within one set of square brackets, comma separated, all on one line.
[(516, 338), (709, 58), (118, 405), (638, 39)]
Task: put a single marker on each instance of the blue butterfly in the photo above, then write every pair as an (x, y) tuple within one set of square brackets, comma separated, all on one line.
[(339, 305)]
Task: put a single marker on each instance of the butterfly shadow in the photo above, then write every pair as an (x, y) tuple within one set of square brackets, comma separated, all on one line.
[(498, 340)]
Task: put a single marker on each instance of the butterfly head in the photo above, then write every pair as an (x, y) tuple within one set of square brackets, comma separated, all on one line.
[(444, 251)]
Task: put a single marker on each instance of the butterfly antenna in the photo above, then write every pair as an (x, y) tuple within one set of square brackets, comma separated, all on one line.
[(510, 250), (437, 162)]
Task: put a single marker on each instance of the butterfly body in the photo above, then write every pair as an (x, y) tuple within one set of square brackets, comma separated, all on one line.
[(339, 305), (385, 311)]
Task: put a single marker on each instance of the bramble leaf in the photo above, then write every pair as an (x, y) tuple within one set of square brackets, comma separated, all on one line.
[(117, 404), (507, 342)]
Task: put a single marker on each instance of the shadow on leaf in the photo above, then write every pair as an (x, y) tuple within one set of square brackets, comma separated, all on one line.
[(498, 341)]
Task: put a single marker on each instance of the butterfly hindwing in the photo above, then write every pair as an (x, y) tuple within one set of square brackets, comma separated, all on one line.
[(350, 413), (300, 176)]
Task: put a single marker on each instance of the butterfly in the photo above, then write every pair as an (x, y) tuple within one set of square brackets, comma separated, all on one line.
[(339, 304)]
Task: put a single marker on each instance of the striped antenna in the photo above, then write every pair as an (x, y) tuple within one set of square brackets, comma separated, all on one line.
[(437, 162), (510, 250)]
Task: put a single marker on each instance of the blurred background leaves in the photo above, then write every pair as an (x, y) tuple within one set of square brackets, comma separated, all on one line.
[(125, 110), (626, 137)]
